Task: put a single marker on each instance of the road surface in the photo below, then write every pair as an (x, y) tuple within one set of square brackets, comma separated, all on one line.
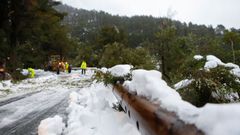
[(46, 96)]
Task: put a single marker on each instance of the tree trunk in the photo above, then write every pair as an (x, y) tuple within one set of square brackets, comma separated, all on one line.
[(233, 52), (163, 66), (12, 63)]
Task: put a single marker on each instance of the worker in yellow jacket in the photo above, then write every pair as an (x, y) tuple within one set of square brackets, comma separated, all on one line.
[(84, 67), (66, 66), (31, 73)]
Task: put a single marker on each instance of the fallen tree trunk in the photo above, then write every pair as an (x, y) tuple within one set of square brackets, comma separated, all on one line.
[(151, 119)]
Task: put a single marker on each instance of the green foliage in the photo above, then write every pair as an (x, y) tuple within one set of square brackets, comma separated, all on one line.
[(117, 53), (170, 43), (189, 67), (111, 34), (30, 31), (84, 51), (231, 39), (107, 78), (18, 76), (112, 55), (212, 86)]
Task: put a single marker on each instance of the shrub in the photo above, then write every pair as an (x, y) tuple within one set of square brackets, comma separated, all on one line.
[(215, 86)]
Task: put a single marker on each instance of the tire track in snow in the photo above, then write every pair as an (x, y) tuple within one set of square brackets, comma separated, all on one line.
[(28, 125), (2, 103)]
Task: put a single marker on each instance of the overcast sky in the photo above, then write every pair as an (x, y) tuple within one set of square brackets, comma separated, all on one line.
[(209, 12)]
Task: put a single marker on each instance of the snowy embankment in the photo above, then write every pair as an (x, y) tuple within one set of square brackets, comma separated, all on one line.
[(213, 119), (90, 112)]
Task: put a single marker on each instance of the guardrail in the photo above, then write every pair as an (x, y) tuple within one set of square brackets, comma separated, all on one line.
[(150, 119)]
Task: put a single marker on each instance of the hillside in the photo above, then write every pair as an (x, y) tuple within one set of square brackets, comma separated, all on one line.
[(86, 24)]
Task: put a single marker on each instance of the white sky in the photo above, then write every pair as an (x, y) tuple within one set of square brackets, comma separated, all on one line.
[(209, 12)]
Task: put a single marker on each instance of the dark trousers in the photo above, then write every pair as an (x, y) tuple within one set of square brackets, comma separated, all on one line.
[(2, 75), (84, 71)]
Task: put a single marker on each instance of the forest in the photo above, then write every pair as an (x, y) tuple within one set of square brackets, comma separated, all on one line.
[(32, 30), (147, 42)]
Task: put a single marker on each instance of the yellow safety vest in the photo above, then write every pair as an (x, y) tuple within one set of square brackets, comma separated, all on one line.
[(84, 65), (66, 66)]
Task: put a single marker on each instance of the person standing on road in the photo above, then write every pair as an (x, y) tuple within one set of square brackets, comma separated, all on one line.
[(66, 66), (84, 67)]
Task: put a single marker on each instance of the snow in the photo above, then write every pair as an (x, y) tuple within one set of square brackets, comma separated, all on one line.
[(90, 107), (210, 64), (24, 72), (183, 84), (1, 85), (5, 87), (73, 97), (43, 92), (213, 62), (120, 70), (49, 97), (198, 57), (92, 113), (231, 65), (222, 119), (232, 96), (236, 72), (213, 119), (104, 69), (149, 84), (51, 126), (214, 58)]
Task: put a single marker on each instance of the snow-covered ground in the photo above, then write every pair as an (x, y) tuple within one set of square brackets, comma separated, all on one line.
[(90, 112), (89, 104), (31, 100), (67, 104)]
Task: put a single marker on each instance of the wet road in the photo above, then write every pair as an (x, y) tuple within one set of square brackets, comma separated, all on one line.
[(15, 123), (21, 115)]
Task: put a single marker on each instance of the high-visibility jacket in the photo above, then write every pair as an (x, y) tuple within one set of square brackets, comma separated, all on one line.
[(31, 73), (84, 65), (66, 67)]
